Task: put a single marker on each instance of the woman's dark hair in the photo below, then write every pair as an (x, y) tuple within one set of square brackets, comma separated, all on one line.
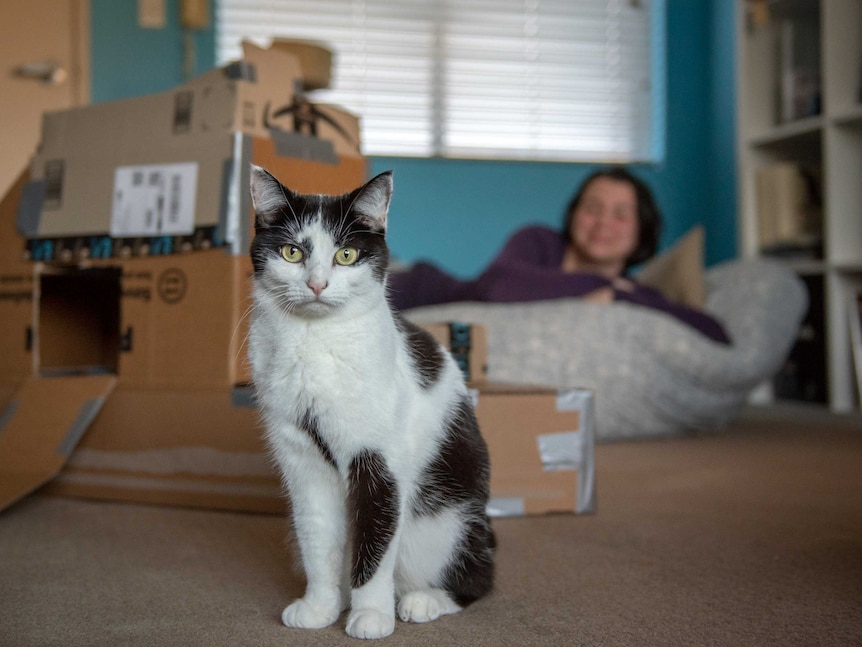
[(649, 218)]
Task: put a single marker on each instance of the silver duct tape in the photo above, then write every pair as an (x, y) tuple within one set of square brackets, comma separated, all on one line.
[(573, 399), (561, 451), (30, 208), (307, 147), (586, 499), (82, 421), (237, 200), (505, 507), (243, 396), (8, 413)]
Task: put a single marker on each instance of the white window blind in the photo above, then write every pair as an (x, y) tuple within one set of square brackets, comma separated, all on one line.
[(575, 80)]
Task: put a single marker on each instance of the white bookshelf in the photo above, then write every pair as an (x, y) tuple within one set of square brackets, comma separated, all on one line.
[(830, 141)]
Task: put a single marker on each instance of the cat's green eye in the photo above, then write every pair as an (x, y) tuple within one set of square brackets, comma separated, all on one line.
[(291, 253), (346, 256)]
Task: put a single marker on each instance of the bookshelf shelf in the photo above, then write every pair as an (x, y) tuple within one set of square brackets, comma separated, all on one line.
[(807, 267), (799, 93), (790, 133), (850, 117)]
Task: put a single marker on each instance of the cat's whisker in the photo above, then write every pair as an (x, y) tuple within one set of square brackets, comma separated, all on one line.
[(286, 200), (245, 315)]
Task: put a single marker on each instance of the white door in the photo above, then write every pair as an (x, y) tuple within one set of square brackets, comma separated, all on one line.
[(44, 65)]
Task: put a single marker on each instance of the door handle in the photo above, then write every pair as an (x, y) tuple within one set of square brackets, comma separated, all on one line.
[(47, 72)]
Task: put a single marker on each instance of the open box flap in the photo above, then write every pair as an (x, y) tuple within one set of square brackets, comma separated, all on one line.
[(41, 426)]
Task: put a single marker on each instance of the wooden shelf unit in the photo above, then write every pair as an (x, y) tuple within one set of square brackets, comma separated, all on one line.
[(829, 140)]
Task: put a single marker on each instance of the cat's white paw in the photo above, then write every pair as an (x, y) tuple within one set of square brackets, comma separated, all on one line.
[(425, 606), (370, 623), (302, 615)]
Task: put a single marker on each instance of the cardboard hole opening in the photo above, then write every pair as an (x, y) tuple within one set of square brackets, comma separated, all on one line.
[(79, 321)]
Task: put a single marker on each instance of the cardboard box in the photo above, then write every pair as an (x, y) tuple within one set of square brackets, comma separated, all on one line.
[(170, 325), (157, 320), (468, 344), (204, 447), (17, 290), (541, 443), (126, 317), (192, 447), (315, 60), (41, 427), (123, 357), (159, 173)]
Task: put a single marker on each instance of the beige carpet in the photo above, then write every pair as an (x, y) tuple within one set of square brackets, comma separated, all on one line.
[(749, 537)]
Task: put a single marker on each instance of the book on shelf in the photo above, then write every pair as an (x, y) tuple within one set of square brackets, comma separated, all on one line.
[(799, 65), (854, 311), (789, 210), (803, 376)]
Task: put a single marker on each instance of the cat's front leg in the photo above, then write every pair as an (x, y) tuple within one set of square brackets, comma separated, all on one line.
[(317, 502), (374, 509)]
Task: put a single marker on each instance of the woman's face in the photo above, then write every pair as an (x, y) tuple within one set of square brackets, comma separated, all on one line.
[(605, 228)]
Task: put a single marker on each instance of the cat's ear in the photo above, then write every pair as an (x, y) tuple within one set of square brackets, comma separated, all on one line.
[(371, 201), (268, 196)]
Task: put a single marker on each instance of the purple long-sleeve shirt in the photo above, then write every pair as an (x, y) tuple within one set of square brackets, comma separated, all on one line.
[(528, 268)]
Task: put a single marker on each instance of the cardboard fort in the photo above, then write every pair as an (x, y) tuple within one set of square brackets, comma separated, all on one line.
[(124, 293)]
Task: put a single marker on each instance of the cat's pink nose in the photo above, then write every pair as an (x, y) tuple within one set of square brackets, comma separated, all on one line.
[(317, 287)]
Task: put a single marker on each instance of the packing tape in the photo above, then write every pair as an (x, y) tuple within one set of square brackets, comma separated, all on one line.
[(233, 221), (7, 415), (505, 507), (79, 425), (305, 147), (573, 399), (561, 451), (578, 453), (243, 396), (241, 71), (30, 208)]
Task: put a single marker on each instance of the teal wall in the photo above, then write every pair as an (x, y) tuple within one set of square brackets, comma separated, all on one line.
[(127, 61), (721, 225), (459, 212)]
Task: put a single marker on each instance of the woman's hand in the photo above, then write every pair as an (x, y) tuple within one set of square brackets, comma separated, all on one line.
[(623, 284)]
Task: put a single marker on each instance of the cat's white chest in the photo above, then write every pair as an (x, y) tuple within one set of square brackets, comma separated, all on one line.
[(339, 371), (330, 359)]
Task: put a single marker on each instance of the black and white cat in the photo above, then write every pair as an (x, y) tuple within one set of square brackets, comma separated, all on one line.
[(367, 417)]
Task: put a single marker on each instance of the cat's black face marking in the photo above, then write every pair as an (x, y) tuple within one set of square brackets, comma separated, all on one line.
[(425, 351), (346, 231), (373, 505), (309, 425), (353, 219)]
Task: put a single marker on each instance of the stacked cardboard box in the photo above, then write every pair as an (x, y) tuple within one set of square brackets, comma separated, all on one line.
[(125, 283), (125, 289), (541, 442)]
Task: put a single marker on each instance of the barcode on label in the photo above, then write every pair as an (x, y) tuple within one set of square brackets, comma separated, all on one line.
[(54, 173), (154, 200)]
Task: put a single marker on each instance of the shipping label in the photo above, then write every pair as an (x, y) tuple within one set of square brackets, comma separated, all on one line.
[(154, 200)]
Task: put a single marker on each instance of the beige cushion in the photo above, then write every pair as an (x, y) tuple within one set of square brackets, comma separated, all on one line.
[(678, 271)]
